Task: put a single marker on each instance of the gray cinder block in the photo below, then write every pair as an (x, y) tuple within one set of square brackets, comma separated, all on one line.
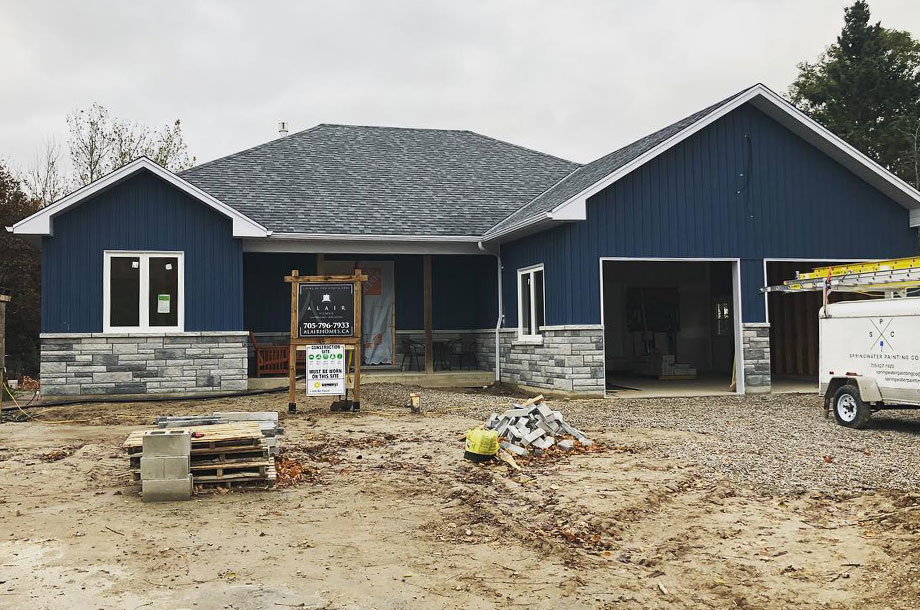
[(164, 467), (166, 442), (159, 490)]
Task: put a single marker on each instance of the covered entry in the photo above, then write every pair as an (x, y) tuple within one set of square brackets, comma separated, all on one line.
[(670, 325)]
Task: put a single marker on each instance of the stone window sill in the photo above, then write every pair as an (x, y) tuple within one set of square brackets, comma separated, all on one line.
[(528, 340)]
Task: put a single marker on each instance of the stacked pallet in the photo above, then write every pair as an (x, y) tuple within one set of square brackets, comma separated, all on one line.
[(267, 420), (221, 455)]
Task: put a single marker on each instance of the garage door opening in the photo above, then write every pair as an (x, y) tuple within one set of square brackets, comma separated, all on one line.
[(793, 322), (670, 327)]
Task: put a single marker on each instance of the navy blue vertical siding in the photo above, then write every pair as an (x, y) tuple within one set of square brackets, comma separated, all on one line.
[(744, 187), (266, 296), (464, 292), (141, 213)]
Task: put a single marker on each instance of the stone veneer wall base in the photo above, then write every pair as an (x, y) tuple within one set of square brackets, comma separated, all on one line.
[(566, 360), (756, 350), (88, 364)]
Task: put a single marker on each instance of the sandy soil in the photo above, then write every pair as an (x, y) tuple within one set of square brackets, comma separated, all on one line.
[(393, 517)]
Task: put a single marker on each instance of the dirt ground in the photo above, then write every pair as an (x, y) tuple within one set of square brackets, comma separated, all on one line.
[(390, 515)]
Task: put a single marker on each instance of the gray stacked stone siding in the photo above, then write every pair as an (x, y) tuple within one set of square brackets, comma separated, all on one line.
[(567, 360), (87, 364), (756, 351)]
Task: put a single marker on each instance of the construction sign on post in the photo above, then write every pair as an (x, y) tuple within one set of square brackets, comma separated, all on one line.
[(325, 370), (326, 325), (326, 309)]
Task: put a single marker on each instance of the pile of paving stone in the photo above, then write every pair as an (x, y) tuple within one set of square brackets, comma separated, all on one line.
[(534, 427)]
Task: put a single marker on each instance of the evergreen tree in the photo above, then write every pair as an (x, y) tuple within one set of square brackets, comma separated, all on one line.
[(866, 89)]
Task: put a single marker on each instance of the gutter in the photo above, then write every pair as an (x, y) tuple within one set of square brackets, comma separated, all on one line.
[(501, 314)]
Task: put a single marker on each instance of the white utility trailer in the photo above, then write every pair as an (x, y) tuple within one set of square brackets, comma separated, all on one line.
[(868, 350), (869, 357)]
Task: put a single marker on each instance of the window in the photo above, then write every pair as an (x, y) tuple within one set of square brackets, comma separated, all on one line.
[(530, 302), (143, 292), (723, 317)]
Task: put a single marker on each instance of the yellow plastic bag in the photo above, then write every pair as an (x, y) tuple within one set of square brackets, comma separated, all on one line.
[(481, 443)]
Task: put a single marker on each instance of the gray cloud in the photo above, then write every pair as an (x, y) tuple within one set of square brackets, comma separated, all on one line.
[(577, 79)]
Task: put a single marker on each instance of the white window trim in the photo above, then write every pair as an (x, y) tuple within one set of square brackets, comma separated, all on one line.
[(522, 334), (144, 326)]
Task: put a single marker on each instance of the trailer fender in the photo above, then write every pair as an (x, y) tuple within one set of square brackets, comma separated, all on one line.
[(868, 389)]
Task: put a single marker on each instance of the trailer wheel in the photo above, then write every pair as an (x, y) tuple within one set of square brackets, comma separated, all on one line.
[(849, 408)]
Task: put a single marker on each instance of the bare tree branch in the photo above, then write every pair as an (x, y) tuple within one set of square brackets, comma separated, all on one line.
[(44, 179), (91, 143)]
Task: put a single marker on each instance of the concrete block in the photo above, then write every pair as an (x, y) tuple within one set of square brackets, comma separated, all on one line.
[(165, 490), (164, 467), (566, 445), (515, 449), (532, 436), (167, 443)]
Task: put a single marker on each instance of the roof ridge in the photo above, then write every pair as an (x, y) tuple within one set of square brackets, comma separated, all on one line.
[(251, 148), (519, 147), (393, 127)]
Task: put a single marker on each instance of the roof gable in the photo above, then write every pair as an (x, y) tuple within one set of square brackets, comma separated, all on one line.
[(566, 200), (41, 223)]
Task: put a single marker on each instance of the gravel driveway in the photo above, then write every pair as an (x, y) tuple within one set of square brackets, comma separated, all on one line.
[(776, 443)]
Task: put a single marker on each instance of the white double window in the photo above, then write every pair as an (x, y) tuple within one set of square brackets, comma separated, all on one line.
[(143, 292), (530, 302)]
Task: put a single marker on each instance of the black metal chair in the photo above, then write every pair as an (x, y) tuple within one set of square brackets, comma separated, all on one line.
[(410, 351), (463, 350)]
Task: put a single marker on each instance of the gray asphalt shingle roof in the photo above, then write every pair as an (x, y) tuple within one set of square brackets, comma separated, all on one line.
[(591, 173), (380, 181)]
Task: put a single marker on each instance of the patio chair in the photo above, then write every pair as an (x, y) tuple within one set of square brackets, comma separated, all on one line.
[(410, 351), (463, 350), (273, 359)]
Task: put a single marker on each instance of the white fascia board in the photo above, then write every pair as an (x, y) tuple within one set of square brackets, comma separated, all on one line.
[(40, 223), (364, 244), (779, 109), (381, 237)]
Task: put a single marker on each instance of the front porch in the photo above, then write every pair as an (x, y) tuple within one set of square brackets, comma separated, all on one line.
[(428, 319)]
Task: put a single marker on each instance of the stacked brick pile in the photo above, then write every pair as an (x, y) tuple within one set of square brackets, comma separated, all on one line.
[(534, 427)]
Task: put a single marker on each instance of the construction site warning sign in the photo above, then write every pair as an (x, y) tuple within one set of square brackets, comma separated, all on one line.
[(326, 310), (325, 370)]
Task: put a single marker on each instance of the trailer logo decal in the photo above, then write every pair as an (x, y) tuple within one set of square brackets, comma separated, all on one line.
[(881, 337)]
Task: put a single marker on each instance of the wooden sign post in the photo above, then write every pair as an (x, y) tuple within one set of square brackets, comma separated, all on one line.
[(326, 312)]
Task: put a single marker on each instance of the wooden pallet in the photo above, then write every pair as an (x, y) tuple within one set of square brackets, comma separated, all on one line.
[(219, 455), (225, 470), (239, 479), (215, 437)]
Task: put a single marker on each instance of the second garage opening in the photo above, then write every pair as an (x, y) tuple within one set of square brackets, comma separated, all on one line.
[(669, 326)]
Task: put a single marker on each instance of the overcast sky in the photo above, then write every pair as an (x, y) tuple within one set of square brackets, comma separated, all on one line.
[(575, 78)]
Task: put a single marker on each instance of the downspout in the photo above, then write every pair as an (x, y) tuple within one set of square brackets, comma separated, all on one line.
[(501, 314)]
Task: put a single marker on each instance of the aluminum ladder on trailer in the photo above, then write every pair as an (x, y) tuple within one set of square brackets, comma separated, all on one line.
[(894, 277)]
